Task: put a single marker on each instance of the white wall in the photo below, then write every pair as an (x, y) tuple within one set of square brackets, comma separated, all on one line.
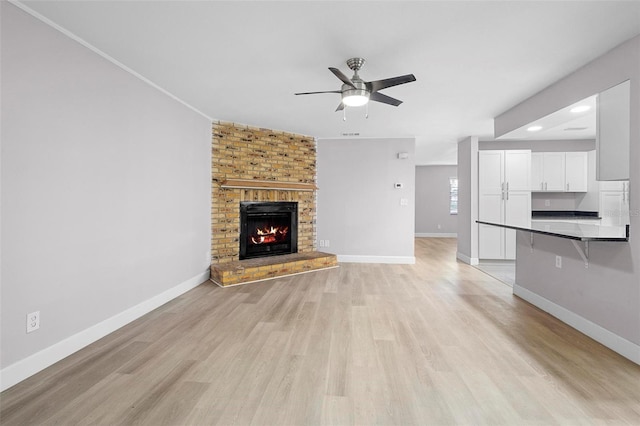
[(105, 195), (433, 217), (359, 209), (468, 200), (602, 300)]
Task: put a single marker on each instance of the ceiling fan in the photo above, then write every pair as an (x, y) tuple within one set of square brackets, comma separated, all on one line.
[(357, 92)]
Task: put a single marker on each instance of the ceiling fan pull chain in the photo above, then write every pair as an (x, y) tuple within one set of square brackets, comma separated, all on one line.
[(344, 114)]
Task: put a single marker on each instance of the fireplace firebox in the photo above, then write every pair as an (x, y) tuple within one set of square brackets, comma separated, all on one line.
[(268, 228)]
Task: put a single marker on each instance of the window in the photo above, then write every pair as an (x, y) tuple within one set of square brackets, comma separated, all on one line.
[(453, 195)]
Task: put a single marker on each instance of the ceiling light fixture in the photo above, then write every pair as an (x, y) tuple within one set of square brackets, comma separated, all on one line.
[(534, 128), (355, 97), (575, 129), (580, 108)]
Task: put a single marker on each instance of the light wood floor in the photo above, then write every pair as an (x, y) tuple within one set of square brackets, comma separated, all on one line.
[(504, 271), (434, 343)]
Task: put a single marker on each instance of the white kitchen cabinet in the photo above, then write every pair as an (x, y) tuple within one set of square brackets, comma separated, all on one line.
[(576, 165), (614, 203), (504, 197), (612, 185), (613, 115), (559, 171), (548, 171)]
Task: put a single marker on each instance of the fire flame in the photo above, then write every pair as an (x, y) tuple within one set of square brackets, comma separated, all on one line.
[(271, 234)]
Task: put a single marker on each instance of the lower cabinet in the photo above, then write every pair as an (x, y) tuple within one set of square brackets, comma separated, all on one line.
[(614, 203)]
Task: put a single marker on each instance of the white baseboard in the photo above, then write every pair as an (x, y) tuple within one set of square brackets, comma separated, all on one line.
[(436, 235), (473, 261), (29, 366), (404, 260), (611, 340)]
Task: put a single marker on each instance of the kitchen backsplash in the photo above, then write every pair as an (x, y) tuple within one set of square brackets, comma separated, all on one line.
[(555, 201)]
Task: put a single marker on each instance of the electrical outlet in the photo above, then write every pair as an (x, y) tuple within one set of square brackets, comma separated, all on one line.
[(547, 203), (404, 201), (33, 321), (321, 243), (558, 261), (326, 243), (439, 226)]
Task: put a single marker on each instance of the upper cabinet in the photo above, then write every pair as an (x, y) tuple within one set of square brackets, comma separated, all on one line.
[(559, 171), (576, 168), (547, 171), (612, 138)]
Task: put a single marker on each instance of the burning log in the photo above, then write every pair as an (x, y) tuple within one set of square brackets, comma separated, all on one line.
[(269, 235)]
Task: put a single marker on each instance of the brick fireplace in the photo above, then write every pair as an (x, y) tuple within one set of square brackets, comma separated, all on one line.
[(251, 164)]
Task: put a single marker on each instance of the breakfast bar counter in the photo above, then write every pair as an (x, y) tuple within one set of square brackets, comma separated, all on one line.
[(572, 231)]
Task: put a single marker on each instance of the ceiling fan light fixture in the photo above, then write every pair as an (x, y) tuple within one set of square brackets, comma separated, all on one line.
[(355, 97), (356, 92)]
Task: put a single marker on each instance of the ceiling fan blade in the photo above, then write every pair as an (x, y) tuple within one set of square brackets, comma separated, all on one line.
[(374, 86), (314, 93), (340, 107), (346, 80), (379, 97)]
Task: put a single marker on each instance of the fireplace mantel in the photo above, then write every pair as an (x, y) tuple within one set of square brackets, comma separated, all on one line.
[(267, 184)]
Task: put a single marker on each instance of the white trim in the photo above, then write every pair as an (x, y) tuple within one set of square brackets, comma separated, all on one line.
[(436, 235), (404, 260), (272, 278), (94, 49), (609, 339), (473, 261), (29, 366)]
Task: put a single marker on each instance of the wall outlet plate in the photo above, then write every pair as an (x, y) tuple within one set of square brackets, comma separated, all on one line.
[(33, 321), (558, 261)]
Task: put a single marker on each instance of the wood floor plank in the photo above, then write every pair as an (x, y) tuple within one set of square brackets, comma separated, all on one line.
[(438, 342)]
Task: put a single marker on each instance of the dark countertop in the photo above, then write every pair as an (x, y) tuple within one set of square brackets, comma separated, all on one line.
[(572, 231), (564, 214)]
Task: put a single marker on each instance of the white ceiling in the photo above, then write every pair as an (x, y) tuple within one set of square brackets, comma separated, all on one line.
[(242, 61), (570, 122)]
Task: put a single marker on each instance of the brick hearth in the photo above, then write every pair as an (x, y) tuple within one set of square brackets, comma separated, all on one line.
[(249, 270)]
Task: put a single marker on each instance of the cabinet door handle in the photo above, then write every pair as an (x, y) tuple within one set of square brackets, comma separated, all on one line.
[(545, 186), (507, 186)]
